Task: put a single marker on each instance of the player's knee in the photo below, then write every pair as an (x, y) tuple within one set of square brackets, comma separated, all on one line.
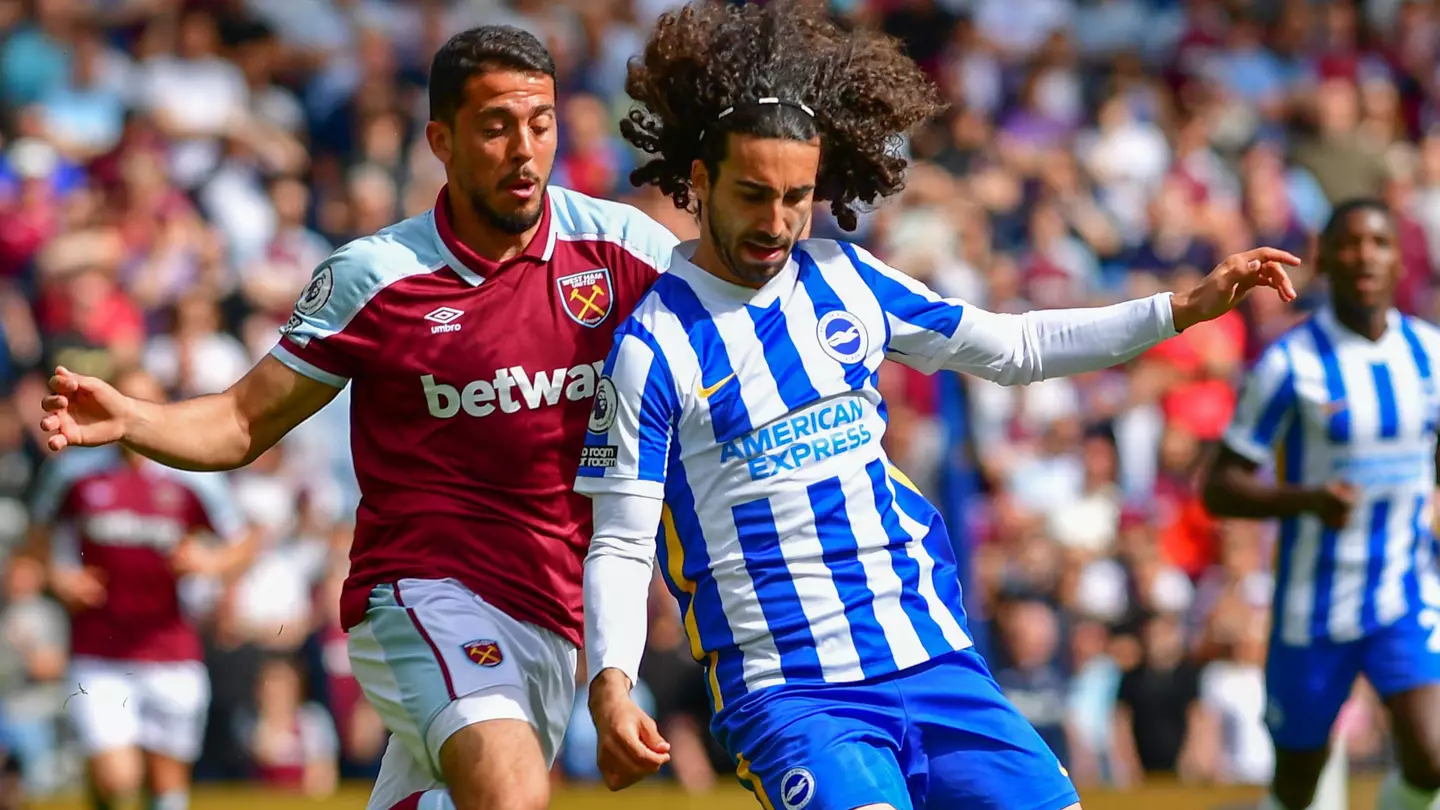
[(496, 765), (117, 774)]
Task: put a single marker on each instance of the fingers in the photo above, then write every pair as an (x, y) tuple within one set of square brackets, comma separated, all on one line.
[(1269, 254), (55, 402), (64, 382), (650, 736)]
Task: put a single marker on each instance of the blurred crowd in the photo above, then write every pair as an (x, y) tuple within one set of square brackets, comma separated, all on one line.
[(171, 172)]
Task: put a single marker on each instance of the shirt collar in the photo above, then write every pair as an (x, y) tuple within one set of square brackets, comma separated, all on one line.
[(474, 268), (707, 284)]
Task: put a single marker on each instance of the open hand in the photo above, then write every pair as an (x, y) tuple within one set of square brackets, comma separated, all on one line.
[(82, 411), (1231, 280)]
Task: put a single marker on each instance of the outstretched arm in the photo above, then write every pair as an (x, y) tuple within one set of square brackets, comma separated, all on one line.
[(929, 333), (216, 432)]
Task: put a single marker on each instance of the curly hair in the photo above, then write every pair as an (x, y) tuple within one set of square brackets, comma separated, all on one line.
[(706, 67)]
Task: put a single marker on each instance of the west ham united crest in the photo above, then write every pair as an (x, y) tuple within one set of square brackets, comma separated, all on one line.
[(586, 296), (484, 652)]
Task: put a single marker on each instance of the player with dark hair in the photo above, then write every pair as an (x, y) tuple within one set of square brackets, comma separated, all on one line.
[(473, 335), (739, 413), (1344, 408)]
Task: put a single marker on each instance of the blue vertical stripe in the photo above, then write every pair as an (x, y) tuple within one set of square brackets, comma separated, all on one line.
[(1292, 459), (796, 389), (1420, 534), (824, 299), (905, 566), (1275, 411), (710, 620), (840, 553), (942, 317), (775, 591), (1379, 523), (1385, 391), (1422, 365), (1339, 423), (946, 574), (727, 410)]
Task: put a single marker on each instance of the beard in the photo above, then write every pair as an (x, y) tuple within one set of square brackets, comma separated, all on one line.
[(728, 249), (515, 222)]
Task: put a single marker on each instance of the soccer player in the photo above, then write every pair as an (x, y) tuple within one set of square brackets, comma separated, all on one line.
[(739, 413), (474, 336), (1344, 408), (117, 532)]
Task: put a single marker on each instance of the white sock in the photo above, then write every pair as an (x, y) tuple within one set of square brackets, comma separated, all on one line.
[(1397, 794), (1332, 792), (174, 800)]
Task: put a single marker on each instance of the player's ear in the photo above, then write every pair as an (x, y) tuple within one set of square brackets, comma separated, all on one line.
[(441, 139), (700, 181)]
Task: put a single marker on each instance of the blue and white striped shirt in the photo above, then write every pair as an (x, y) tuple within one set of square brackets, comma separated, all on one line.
[(1325, 404), (797, 552)]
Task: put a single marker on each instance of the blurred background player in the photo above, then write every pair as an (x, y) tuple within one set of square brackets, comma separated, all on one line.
[(474, 334), (740, 412), (118, 533), (1345, 407)]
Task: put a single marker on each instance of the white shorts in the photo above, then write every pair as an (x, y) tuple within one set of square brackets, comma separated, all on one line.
[(433, 658), (159, 707)]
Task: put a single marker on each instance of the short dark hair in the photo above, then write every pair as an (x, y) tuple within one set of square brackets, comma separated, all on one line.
[(1342, 212), (476, 50), (784, 69)]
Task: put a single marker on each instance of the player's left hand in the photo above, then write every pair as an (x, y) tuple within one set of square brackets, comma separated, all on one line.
[(1230, 281), (631, 747)]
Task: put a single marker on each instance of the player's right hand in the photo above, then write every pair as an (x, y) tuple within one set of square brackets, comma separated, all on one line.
[(78, 588), (1332, 503), (82, 411), (631, 747)]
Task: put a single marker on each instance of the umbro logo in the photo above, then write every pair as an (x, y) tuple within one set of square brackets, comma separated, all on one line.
[(442, 318)]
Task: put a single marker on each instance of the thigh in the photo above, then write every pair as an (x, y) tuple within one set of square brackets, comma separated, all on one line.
[(1305, 688), (433, 658), (104, 710), (1402, 662), (973, 748), (496, 765), (174, 704), (821, 748)]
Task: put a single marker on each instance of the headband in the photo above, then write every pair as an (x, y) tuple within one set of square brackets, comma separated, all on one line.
[(795, 105)]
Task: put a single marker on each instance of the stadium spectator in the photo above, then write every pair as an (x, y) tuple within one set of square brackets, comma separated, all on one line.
[(171, 173)]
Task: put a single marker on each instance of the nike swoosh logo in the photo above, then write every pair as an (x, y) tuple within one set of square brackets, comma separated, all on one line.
[(705, 391)]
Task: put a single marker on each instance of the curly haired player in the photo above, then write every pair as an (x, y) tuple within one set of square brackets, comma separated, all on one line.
[(739, 412)]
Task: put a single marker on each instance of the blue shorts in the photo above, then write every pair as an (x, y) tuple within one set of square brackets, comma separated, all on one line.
[(934, 737), (1308, 685)]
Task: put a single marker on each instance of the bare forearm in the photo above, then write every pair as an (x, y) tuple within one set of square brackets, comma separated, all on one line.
[(1237, 494), (206, 433)]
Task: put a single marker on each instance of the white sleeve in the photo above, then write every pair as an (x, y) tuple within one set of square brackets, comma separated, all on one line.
[(1041, 345), (928, 332), (1266, 406), (617, 581)]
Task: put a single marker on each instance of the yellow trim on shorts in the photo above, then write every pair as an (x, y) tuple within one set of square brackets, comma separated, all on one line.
[(742, 770)]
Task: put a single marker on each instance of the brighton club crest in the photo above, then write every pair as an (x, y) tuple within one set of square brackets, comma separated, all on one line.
[(586, 296), (484, 652)]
